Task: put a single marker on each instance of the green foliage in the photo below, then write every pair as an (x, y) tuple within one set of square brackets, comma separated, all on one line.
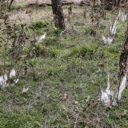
[(39, 25), (84, 51), (57, 32), (53, 52), (39, 50), (51, 41), (3, 5), (17, 120)]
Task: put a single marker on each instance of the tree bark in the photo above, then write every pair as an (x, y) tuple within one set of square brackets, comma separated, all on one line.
[(123, 63), (123, 58), (58, 14)]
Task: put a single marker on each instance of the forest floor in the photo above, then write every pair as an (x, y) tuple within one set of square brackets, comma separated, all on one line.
[(60, 78)]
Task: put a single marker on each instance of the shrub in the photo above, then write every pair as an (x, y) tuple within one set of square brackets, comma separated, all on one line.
[(39, 25)]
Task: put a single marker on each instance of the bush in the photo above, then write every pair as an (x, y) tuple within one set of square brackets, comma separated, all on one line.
[(51, 41), (39, 49), (39, 25), (88, 51)]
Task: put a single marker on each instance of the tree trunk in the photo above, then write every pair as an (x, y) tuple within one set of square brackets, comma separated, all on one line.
[(123, 64), (58, 14), (123, 58)]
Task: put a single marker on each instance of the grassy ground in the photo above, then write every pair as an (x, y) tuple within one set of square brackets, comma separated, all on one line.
[(64, 75)]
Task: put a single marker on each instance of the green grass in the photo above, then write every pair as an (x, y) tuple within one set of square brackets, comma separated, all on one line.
[(69, 66)]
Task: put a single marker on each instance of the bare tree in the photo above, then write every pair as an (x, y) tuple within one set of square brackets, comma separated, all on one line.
[(58, 14)]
